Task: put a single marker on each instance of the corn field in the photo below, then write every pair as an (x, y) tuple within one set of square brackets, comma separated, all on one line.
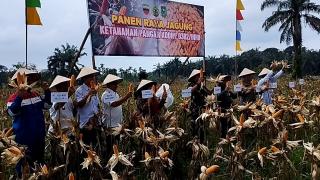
[(278, 141)]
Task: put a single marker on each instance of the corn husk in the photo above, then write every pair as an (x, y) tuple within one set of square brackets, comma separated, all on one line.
[(301, 118), (44, 170), (277, 114), (164, 154)]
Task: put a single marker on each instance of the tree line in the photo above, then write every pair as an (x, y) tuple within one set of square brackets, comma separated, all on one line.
[(254, 59)]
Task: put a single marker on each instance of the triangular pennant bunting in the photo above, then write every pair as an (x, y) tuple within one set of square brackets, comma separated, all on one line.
[(33, 16), (240, 5), (239, 15)]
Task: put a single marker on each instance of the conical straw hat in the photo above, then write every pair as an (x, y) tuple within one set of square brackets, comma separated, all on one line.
[(223, 77), (86, 71), (264, 71), (111, 78), (57, 80), (193, 73), (21, 71), (143, 83), (246, 72)]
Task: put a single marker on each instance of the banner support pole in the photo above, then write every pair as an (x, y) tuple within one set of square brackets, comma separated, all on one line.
[(93, 62), (81, 46)]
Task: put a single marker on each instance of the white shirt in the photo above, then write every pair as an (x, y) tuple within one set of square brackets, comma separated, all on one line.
[(89, 109), (65, 114), (112, 115)]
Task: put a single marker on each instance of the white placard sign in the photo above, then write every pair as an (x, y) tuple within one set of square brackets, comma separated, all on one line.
[(185, 93), (147, 94), (301, 81), (237, 88), (258, 89), (109, 97), (217, 90), (273, 85), (59, 97), (292, 84)]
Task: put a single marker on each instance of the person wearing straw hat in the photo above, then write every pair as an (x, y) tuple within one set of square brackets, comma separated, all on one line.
[(87, 104), (225, 100), (248, 92), (268, 77), (112, 103), (198, 95), (149, 107), (26, 106), (61, 115), (61, 112)]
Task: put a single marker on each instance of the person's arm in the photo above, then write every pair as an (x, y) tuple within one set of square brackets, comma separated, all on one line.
[(82, 100), (279, 74), (15, 108), (121, 100)]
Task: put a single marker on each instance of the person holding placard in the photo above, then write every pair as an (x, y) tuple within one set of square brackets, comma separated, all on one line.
[(148, 105), (87, 105), (62, 115), (248, 92), (268, 81), (112, 102), (26, 107), (225, 100), (198, 95)]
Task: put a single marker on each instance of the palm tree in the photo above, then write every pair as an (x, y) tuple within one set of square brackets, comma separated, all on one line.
[(62, 59), (290, 14)]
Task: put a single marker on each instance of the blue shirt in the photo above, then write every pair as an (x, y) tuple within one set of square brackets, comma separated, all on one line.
[(271, 78)]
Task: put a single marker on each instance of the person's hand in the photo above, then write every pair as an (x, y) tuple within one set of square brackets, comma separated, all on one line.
[(165, 94), (45, 86), (71, 90), (22, 92), (274, 65), (92, 92), (228, 85), (131, 88)]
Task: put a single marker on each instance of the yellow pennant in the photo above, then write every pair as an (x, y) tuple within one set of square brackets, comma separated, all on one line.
[(238, 47), (240, 5), (33, 16)]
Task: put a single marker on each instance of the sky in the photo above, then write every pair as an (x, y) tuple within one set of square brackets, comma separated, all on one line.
[(66, 21)]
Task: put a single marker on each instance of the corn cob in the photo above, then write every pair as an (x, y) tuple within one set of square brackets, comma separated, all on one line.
[(242, 119), (115, 150), (212, 169), (201, 73), (263, 151), (72, 81), (9, 132), (274, 149), (130, 88), (44, 170), (71, 176), (301, 118)]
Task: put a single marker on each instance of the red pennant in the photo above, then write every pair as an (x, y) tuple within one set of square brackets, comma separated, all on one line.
[(239, 15)]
